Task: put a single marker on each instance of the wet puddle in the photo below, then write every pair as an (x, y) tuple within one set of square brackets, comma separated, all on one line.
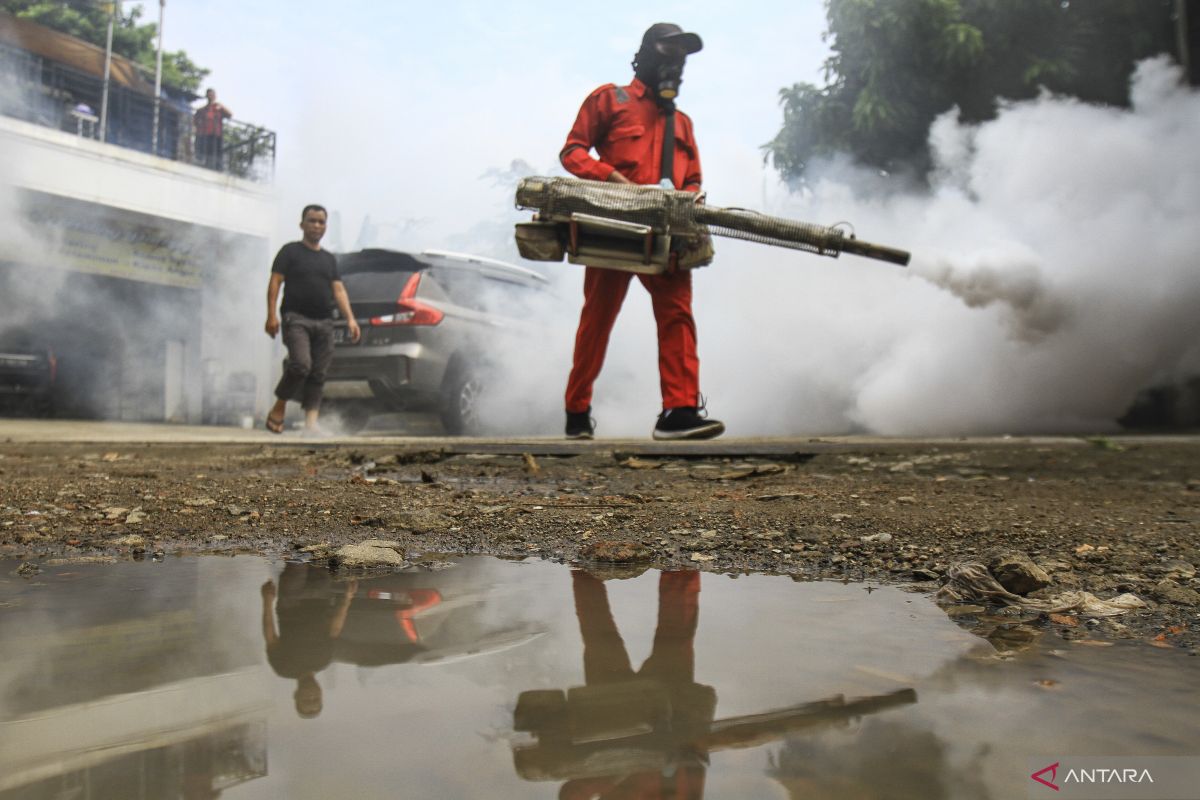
[(241, 678)]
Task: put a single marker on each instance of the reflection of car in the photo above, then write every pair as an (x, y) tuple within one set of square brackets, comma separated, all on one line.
[(28, 369), (433, 325)]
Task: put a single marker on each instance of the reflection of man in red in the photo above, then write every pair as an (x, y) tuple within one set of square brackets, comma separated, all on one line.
[(625, 734), (671, 664), (646, 735)]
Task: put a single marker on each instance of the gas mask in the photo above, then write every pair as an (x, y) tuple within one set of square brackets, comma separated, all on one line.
[(662, 72), (670, 72), (659, 62)]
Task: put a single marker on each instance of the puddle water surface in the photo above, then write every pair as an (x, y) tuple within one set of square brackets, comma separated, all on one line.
[(240, 678)]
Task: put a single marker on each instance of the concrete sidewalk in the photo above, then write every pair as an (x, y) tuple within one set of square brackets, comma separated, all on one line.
[(32, 431)]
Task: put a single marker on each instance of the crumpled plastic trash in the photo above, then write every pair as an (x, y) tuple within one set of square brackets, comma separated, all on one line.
[(973, 582)]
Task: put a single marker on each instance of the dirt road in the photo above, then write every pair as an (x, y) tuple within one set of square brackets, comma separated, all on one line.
[(1106, 516)]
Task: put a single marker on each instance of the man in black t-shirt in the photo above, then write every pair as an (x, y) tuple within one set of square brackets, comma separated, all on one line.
[(312, 285)]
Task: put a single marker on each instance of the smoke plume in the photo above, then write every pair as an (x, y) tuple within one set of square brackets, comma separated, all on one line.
[(1053, 277)]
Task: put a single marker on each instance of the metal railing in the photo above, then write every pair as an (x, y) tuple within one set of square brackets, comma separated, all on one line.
[(48, 93), (249, 151)]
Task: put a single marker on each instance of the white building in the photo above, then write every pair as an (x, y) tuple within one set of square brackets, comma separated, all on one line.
[(144, 273)]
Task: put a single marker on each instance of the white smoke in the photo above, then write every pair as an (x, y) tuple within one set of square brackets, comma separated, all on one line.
[(1054, 275)]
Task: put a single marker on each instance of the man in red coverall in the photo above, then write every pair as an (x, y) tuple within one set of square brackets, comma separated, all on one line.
[(640, 138)]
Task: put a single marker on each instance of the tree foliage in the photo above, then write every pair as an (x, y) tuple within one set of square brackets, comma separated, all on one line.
[(898, 64), (88, 20)]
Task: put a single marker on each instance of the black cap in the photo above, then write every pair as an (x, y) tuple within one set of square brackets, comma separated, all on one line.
[(669, 33)]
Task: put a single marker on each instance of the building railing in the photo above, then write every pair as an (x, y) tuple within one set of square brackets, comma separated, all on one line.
[(48, 93), (249, 151)]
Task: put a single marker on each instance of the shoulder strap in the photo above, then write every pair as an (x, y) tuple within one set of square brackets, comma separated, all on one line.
[(667, 168)]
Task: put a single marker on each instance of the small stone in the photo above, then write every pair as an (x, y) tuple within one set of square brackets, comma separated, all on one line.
[(371, 553), (199, 501), (699, 557), (906, 499), (1168, 591), (1017, 573), (27, 569), (1177, 569), (881, 538), (616, 551), (136, 517)]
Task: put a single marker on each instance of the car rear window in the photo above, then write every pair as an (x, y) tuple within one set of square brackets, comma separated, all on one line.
[(378, 261), (372, 287)]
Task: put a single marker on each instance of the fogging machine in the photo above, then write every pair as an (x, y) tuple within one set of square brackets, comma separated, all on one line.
[(650, 229)]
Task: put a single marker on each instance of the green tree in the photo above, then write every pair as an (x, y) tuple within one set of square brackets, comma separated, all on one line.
[(88, 20), (898, 64)]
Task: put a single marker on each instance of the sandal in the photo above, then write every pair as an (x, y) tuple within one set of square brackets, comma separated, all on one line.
[(274, 424)]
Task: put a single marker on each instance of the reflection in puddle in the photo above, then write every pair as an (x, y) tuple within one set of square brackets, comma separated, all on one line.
[(418, 617), (209, 677), (648, 733)]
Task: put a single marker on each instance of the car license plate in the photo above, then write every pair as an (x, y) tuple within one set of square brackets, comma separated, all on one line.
[(340, 336)]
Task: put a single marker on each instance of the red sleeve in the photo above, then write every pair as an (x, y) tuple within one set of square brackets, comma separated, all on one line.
[(692, 176), (589, 128)]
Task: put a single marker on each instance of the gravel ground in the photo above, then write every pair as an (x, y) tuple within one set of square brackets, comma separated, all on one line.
[(1106, 516)]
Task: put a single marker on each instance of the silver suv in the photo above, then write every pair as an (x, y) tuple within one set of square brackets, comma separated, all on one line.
[(434, 326)]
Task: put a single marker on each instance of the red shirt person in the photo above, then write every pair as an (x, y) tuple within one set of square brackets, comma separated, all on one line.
[(626, 126), (209, 125)]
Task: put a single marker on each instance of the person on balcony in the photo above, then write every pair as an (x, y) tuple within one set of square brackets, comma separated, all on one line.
[(210, 131)]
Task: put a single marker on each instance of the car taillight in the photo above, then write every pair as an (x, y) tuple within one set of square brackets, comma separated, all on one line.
[(410, 310), (53, 364)]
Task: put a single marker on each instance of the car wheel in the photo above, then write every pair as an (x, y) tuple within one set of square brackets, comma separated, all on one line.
[(460, 406)]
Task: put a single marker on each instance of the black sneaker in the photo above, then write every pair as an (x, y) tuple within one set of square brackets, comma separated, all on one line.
[(687, 422), (580, 425)]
